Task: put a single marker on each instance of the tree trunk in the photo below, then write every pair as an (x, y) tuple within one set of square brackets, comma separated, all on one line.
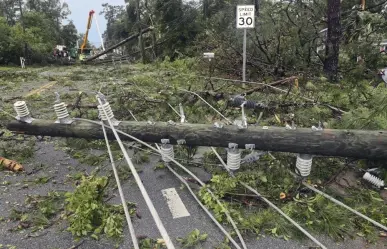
[(154, 45), (339, 143), (119, 44), (256, 4), (140, 40), (205, 9), (332, 46)]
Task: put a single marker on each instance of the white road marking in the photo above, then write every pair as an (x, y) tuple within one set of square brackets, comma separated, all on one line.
[(175, 204)]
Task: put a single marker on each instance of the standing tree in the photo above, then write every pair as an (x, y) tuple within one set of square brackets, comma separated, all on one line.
[(69, 35), (116, 26), (140, 40), (8, 10), (332, 46), (256, 4), (206, 9)]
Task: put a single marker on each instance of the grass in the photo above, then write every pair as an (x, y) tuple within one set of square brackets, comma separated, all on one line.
[(8, 68)]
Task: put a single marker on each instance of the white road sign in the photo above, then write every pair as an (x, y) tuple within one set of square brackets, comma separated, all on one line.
[(245, 16)]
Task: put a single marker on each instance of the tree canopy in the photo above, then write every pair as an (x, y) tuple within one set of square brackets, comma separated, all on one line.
[(290, 36), (33, 28)]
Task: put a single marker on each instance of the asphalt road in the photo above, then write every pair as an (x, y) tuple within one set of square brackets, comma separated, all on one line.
[(154, 181)]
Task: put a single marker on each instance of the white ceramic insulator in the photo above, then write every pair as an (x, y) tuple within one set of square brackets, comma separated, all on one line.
[(304, 164), (167, 150), (374, 180), (233, 159), (21, 109), (61, 110), (108, 110)]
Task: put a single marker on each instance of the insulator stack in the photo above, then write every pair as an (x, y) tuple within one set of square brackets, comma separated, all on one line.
[(61, 111), (21, 109), (233, 159), (304, 164), (108, 110), (374, 180), (167, 152)]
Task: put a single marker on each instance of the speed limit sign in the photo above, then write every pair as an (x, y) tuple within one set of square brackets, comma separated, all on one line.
[(245, 16)]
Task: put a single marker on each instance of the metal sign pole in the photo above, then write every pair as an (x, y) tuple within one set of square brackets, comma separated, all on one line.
[(244, 55), (245, 19)]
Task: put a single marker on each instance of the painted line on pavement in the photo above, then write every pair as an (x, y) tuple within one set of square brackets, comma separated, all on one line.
[(175, 204), (41, 89)]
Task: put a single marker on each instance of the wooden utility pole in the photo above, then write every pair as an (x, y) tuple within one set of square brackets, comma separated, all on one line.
[(140, 40), (336, 143)]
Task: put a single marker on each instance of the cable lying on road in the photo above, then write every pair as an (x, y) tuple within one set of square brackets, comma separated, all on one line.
[(159, 224), (259, 195), (340, 203), (270, 203), (236, 229), (124, 204), (200, 203), (183, 168), (192, 193)]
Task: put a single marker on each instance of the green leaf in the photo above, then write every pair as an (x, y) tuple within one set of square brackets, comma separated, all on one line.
[(196, 232), (263, 178), (360, 234), (94, 236), (203, 237), (377, 198)]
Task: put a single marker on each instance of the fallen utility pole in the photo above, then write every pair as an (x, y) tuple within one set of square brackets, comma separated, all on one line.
[(119, 44), (337, 143)]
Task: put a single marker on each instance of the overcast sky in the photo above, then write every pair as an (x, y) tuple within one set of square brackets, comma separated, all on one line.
[(80, 12)]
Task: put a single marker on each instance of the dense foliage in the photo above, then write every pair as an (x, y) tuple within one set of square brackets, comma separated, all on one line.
[(33, 32), (289, 37)]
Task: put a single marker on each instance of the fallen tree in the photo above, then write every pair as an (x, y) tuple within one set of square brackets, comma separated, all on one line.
[(119, 44), (338, 143)]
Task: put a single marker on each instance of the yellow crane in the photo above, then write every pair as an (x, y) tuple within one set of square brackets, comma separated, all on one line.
[(83, 55)]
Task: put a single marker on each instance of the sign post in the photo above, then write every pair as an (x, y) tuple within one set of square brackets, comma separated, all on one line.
[(22, 62), (245, 20)]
